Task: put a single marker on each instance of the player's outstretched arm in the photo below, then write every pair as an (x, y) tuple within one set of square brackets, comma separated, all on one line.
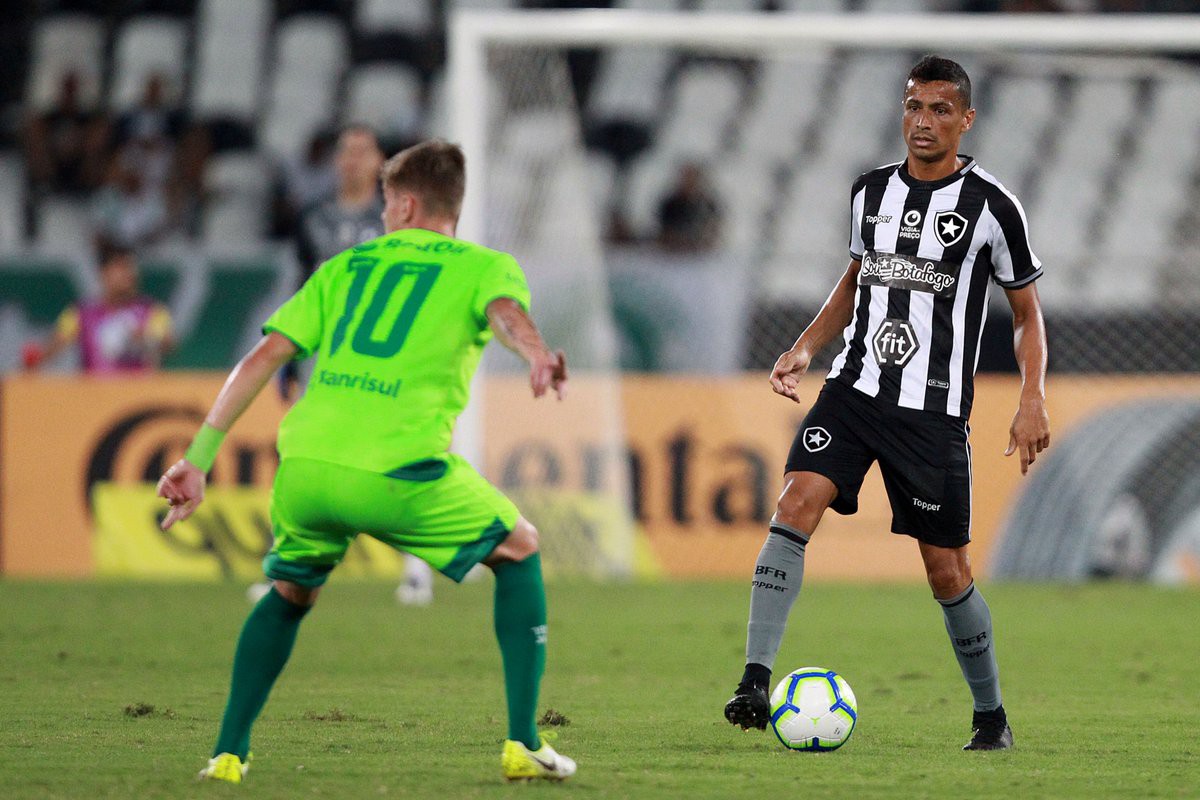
[(516, 331), (831, 320), (1030, 430), (183, 484)]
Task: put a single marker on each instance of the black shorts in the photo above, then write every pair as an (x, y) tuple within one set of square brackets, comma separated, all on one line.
[(924, 458)]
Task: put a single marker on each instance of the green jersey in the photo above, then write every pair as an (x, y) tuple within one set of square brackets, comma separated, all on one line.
[(398, 325)]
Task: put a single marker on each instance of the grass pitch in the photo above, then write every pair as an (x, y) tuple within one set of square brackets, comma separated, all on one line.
[(116, 690)]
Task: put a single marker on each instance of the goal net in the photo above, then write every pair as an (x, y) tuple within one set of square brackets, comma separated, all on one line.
[(676, 185)]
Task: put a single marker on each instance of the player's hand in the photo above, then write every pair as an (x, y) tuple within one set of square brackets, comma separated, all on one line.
[(1030, 432), (549, 371), (183, 487), (785, 377), (32, 355)]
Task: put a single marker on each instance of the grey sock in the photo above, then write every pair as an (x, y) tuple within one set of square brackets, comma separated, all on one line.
[(777, 576), (969, 623)]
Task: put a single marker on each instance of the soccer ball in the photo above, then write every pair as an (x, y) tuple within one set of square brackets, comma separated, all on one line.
[(813, 709)]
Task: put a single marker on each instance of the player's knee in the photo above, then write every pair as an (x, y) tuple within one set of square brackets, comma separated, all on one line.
[(296, 594), (524, 538), (799, 509), (948, 580), (520, 544)]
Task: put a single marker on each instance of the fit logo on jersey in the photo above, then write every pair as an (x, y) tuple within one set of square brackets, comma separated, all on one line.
[(907, 272), (895, 343)]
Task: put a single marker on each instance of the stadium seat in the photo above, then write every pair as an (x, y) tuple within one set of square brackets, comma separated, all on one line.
[(477, 5), (229, 58), (707, 98), (728, 6), (1154, 191), (12, 202), (1071, 198), (238, 174), (813, 6), (630, 83), (147, 45), (413, 16), (785, 103), (311, 52), (1007, 135), (897, 6), (385, 96), (64, 227), (62, 44)]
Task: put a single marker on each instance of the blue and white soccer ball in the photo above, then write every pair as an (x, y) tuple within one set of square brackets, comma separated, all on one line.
[(813, 709)]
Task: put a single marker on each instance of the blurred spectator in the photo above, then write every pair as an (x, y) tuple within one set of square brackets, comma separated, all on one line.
[(152, 119), (351, 214), (65, 147), (689, 218), (131, 208), (164, 155), (121, 331), (303, 182)]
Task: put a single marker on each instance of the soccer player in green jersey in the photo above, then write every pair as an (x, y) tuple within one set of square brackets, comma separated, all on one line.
[(397, 325)]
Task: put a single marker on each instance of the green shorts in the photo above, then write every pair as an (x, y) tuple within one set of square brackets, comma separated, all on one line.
[(440, 510)]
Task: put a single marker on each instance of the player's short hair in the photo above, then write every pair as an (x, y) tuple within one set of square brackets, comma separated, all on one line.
[(436, 170), (109, 252), (935, 68)]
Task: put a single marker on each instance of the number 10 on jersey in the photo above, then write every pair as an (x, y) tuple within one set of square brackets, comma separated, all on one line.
[(363, 341)]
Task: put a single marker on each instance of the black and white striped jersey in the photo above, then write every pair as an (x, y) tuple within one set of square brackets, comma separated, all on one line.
[(929, 252)]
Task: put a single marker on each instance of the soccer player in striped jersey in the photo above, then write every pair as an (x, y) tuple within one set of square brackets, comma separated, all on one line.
[(397, 326), (928, 236)]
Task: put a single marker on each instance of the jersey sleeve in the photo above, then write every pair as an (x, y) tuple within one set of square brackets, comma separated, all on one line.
[(857, 194), (502, 278), (67, 325), (302, 318), (1013, 263), (158, 325)]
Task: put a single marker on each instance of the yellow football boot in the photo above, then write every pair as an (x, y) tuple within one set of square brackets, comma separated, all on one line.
[(225, 767), (519, 763)]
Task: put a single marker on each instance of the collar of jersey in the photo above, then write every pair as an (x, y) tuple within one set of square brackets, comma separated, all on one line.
[(902, 169)]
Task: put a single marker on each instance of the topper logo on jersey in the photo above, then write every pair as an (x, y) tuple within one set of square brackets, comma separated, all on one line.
[(911, 228), (894, 343), (949, 227)]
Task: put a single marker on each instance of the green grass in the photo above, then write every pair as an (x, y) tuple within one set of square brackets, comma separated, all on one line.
[(385, 701)]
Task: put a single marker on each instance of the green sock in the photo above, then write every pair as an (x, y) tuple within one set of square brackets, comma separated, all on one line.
[(521, 631), (262, 650)]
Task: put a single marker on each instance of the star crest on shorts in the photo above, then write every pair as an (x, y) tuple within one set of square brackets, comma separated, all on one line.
[(816, 438)]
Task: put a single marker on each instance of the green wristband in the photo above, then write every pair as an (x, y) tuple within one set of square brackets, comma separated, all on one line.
[(205, 445)]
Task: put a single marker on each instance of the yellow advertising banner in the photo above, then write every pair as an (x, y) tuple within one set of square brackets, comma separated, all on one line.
[(698, 460), (225, 538)]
